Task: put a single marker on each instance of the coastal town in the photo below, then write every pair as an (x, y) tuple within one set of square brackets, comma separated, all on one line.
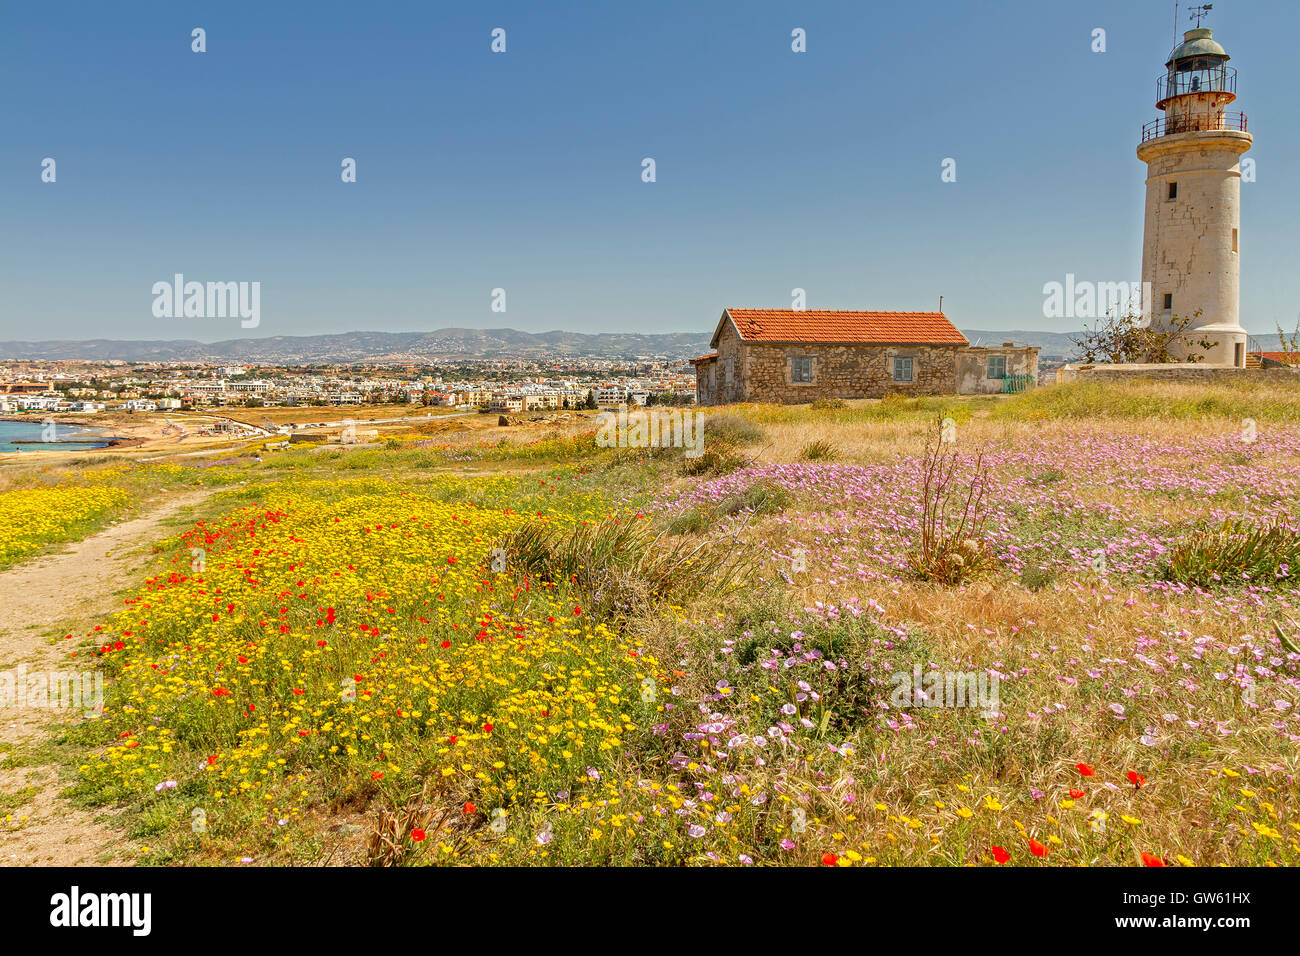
[(500, 386)]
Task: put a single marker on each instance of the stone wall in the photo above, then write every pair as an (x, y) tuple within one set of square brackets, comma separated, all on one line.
[(706, 383), (731, 355), (1177, 372), (763, 372)]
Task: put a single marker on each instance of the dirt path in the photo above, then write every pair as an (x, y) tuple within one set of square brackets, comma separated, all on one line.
[(37, 826)]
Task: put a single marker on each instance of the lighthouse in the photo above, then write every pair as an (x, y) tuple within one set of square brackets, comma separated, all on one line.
[(1192, 239)]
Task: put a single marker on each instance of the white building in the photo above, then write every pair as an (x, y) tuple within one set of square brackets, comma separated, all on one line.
[(1191, 241), (608, 396)]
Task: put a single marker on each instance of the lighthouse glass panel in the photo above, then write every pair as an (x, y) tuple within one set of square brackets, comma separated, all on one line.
[(1200, 75)]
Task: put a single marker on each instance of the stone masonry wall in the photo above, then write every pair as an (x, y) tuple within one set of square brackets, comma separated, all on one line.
[(842, 371), (1177, 373)]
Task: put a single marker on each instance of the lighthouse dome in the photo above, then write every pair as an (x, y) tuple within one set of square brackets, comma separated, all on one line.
[(1198, 42)]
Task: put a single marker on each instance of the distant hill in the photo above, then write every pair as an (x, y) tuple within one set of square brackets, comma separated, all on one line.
[(441, 345), (1052, 343), (456, 344)]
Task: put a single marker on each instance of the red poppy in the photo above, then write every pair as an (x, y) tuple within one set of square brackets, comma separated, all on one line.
[(488, 728), (1084, 770), (1149, 860), (1075, 793), (417, 835), (829, 859), (377, 775), (1000, 855), (1136, 778), (1036, 848), (470, 808)]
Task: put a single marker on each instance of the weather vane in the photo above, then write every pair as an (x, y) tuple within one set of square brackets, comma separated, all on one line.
[(1200, 13)]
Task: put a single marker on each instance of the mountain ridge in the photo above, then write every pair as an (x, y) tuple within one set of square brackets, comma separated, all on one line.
[(448, 344)]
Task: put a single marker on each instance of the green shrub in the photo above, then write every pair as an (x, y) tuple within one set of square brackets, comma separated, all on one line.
[(716, 459), (1239, 551), (690, 521), (760, 498), (1034, 577), (1049, 476), (622, 565), (732, 429), (819, 451)]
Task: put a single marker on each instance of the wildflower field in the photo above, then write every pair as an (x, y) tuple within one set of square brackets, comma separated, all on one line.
[(544, 652)]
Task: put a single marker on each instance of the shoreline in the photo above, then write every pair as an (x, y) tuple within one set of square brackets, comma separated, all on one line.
[(97, 444)]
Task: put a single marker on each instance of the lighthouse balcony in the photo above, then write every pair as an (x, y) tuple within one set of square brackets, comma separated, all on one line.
[(1183, 81), (1194, 123)]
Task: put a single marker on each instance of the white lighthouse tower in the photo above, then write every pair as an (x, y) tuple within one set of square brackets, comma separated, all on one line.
[(1190, 249)]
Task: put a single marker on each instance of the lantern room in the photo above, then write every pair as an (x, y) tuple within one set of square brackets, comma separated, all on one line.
[(1196, 88)]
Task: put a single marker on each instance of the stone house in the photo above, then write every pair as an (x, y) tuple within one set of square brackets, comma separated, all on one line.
[(990, 370), (787, 356)]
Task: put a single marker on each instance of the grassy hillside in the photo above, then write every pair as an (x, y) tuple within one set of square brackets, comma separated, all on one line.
[(1066, 637)]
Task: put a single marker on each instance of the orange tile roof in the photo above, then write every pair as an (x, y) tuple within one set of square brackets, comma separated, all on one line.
[(1292, 358), (839, 326), (706, 358)]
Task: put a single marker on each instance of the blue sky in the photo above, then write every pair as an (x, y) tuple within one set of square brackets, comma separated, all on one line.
[(522, 170)]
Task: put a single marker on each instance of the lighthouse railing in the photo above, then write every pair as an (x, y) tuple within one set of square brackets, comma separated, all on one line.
[(1194, 123)]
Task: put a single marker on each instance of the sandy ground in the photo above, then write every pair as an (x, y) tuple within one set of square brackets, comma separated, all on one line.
[(151, 436), (138, 435), (43, 829), (157, 436)]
